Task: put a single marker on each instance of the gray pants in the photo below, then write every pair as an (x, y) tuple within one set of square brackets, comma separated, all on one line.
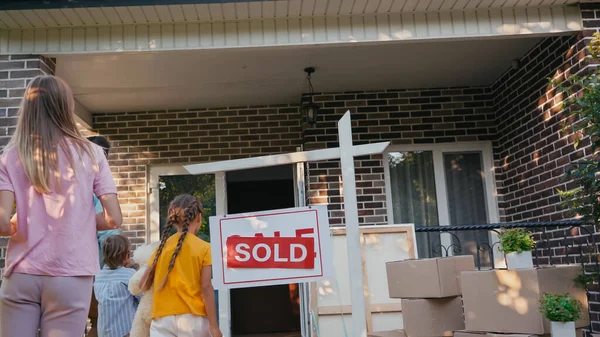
[(56, 306)]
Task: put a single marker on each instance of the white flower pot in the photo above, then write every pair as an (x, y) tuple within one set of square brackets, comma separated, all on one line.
[(560, 329), (521, 260)]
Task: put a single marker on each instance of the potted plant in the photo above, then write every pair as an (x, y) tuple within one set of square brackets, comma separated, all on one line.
[(517, 245), (562, 311)]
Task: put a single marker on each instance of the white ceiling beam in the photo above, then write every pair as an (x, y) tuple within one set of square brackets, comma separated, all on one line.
[(83, 116)]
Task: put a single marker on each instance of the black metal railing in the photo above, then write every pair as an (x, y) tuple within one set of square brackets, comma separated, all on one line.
[(557, 242)]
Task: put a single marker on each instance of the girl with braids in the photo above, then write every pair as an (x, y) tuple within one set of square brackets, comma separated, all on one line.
[(181, 273)]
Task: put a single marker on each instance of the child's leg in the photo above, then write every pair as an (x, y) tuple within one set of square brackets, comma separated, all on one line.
[(20, 297), (93, 316), (65, 305)]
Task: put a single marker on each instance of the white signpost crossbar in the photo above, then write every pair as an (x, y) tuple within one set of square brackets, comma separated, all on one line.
[(346, 153), (283, 159)]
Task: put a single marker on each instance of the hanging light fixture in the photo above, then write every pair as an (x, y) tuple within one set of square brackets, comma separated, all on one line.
[(309, 108)]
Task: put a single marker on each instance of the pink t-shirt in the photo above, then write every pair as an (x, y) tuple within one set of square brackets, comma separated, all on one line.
[(56, 232)]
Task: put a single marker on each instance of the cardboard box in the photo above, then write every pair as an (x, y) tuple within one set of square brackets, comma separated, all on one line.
[(391, 333), (432, 317), (580, 333), (508, 301), (427, 278)]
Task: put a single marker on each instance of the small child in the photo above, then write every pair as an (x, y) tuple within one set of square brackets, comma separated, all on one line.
[(181, 271), (116, 305)]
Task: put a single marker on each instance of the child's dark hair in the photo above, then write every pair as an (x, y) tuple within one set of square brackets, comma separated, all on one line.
[(115, 249), (102, 142), (182, 210)]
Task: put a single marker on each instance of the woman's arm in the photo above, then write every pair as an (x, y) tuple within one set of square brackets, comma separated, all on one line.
[(7, 200), (208, 296), (112, 217), (100, 221)]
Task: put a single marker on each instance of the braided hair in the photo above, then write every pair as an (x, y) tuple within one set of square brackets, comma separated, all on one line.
[(182, 210)]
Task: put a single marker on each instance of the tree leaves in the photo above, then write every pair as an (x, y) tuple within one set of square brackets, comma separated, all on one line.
[(200, 186), (583, 102)]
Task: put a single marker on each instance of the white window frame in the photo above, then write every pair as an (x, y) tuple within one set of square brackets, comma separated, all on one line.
[(438, 150)]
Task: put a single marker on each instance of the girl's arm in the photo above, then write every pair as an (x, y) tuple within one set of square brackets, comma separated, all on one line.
[(113, 218), (208, 296), (7, 200)]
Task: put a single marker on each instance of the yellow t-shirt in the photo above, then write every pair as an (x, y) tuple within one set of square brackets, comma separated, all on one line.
[(182, 293)]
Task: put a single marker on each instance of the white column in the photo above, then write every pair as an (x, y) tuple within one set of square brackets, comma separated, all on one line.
[(224, 301), (359, 315)]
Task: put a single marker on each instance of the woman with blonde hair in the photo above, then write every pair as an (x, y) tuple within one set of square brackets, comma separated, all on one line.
[(52, 172)]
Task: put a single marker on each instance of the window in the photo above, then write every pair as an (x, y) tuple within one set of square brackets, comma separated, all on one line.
[(200, 186), (439, 186)]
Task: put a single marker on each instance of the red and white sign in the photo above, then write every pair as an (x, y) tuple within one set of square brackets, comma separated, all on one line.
[(273, 247)]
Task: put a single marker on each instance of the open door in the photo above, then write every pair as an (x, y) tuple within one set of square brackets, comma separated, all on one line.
[(304, 288)]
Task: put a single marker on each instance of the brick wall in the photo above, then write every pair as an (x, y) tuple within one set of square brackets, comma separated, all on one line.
[(532, 151), (196, 135), (15, 73), (425, 116), (419, 116)]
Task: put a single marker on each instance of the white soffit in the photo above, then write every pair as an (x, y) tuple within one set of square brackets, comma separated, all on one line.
[(127, 36), (247, 10)]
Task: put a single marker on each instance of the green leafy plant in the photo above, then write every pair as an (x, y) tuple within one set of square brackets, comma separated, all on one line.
[(516, 241), (560, 308), (582, 280), (582, 101), (585, 278)]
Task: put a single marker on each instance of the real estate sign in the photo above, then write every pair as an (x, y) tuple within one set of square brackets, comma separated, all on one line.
[(272, 247)]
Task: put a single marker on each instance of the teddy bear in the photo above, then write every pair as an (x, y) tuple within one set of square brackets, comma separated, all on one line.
[(143, 315)]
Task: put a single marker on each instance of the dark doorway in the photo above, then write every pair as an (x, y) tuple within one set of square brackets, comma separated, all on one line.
[(273, 309)]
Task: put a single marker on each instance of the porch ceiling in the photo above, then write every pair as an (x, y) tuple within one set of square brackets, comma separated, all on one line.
[(260, 76), (49, 15)]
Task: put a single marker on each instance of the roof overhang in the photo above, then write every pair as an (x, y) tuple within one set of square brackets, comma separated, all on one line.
[(239, 24), (57, 4)]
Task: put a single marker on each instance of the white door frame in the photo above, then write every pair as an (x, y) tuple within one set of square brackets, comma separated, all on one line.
[(153, 232), (153, 217), (303, 288)]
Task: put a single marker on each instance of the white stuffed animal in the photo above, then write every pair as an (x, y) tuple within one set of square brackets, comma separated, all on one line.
[(143, 315)]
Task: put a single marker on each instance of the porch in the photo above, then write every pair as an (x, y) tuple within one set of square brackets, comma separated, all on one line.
[(474, 125), (506, 135)]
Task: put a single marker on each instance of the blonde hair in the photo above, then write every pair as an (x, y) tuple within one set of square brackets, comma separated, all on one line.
[(46, 123)]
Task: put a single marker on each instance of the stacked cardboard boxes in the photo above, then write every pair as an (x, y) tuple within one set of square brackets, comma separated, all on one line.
[(391, 333), (506, 303), (430, 291), (580, 333)]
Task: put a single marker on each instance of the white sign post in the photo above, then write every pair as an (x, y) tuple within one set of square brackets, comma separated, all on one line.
[(357, 293), (272, 247), (346, 153)]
